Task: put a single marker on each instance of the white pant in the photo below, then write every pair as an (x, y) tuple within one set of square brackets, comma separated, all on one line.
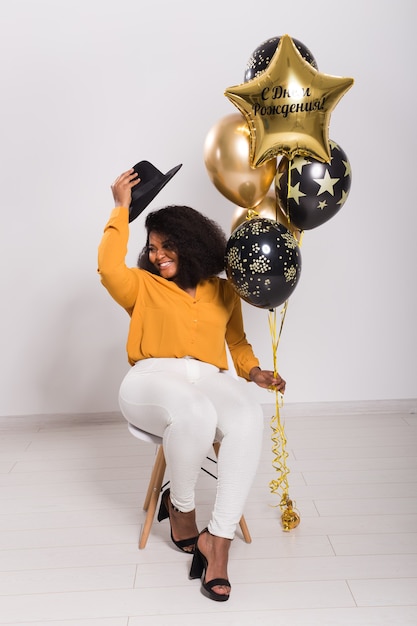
[(190, 404)]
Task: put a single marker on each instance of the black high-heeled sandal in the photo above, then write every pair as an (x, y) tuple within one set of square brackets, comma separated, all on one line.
[(163, 513), (198, 570)]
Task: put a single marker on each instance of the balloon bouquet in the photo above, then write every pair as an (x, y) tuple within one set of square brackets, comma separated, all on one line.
[(274, 160)]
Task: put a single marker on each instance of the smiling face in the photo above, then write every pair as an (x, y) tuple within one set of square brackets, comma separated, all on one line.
[(163, 256)]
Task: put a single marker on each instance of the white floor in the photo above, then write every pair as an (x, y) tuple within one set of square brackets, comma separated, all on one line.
[(71, 494)]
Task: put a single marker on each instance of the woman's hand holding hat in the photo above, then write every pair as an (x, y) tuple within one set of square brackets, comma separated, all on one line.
[(122, 188)]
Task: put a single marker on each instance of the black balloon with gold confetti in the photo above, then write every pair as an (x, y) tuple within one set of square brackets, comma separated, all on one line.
[(263, 262), (262, 55)]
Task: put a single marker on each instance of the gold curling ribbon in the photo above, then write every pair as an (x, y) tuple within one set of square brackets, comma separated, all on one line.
[(251, 214), (286, 212), (290, 517)]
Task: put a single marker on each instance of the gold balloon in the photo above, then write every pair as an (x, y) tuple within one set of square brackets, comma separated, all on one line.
[(226, 156), (288, 106), (268, 208)]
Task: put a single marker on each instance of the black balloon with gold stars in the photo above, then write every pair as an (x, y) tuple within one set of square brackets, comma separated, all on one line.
[(263, 262), (310, 192)]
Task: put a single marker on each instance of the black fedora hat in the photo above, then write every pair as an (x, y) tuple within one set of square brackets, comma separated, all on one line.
[(151, 183)]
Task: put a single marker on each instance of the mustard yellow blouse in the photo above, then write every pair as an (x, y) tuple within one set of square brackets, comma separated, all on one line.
[(165, 321)]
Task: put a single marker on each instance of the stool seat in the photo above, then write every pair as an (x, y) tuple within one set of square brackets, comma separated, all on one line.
[(142, 434), (155, 484)]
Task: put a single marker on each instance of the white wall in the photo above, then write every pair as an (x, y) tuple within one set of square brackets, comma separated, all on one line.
[(90, 87)]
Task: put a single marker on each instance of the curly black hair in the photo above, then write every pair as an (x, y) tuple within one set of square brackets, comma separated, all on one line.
[(199, 242)]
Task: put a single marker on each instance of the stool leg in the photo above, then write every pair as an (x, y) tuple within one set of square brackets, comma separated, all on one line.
[(243, 525), (216, 447), (245, 530), (154, 490), (154, 477)]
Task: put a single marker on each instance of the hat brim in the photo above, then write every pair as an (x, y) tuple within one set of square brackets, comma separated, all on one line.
[(143, 194)]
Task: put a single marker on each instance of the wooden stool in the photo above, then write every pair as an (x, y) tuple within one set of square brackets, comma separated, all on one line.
[(155, 485)]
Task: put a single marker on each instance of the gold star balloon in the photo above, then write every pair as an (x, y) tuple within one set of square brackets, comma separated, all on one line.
[(288, 106)]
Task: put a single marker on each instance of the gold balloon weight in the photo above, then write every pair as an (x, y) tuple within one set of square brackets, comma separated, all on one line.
[(290, 518)]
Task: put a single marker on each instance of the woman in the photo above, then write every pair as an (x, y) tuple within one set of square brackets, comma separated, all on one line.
[(182, 315)]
